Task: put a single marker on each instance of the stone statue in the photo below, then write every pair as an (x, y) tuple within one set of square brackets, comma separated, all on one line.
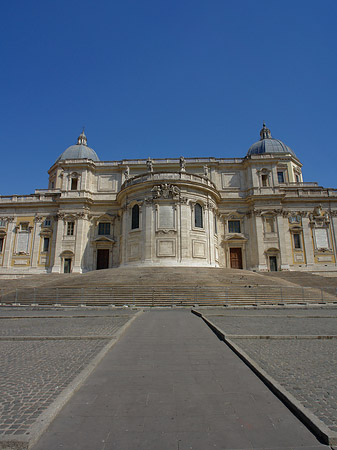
[(182, 164), (127, 172), (206, 171), (149, 165)]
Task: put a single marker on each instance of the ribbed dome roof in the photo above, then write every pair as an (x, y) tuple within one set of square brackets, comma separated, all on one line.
[(79, 150), (268, 145)]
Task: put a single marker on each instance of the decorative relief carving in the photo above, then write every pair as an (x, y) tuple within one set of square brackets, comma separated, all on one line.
[(294, 218), (148, 200), (318, 215), (165, 191), (183, 200), (166, 231)]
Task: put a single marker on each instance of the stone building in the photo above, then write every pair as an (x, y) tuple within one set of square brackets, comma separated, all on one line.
[(253, 212)]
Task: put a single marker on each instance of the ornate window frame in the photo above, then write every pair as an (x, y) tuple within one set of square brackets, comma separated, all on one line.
[(264, 174)]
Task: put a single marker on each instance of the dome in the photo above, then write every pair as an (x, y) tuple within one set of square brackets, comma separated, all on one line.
[(79, 150), (268, 145)]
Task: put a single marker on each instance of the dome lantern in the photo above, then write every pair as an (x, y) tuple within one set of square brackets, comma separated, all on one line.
[(82, 139), (265, 132)]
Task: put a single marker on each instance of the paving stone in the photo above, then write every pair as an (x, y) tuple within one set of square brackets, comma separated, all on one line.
[(306, 368), (34, 372)]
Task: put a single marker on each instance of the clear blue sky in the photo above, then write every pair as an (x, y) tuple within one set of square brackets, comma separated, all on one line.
[(164, 79)]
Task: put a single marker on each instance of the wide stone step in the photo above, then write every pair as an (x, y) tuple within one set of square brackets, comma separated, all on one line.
[(166, 296)]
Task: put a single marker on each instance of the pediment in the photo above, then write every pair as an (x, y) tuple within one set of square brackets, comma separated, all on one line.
[(104, 238), (235, 237)]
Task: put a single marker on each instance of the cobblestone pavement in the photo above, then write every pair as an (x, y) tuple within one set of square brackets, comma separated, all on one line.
[(278, 325), (306, 368), (34, 373), (284, 311), (17, 311), (67, 326)]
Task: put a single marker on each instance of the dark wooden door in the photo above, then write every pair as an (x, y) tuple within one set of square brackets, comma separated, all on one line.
[(102, 258), (273, 263), (67, 265), (236, 258)]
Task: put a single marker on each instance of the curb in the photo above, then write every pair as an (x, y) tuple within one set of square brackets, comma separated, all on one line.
[(25, 442), (305, 415)]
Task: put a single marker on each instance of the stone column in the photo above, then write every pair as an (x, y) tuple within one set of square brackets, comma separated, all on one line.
[(334, 233), (147, 242), (57, 245), (9, 242), (36, 241), (124, 233), (209, 223), (185, 228), (308, 243)]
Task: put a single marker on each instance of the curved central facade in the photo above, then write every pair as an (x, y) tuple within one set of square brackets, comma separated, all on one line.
[(169, 218)]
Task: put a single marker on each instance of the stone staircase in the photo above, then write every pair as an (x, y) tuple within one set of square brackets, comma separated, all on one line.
[(174, 286)]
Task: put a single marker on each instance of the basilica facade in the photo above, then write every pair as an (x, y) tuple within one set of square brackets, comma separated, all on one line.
[(254, 213)]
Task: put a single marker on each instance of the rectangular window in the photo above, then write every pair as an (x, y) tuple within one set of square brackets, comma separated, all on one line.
[(74, 183), (234, 226), (264, 180), (269, 225), (297, 178), (2, 223), (104, 229), (1, 244), (297, 240), (215, 225), (70, 228), (45, 244), (47, 223), (280, 177)]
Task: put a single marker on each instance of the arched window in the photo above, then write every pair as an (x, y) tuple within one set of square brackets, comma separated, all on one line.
[(198, 219), (135, 217)]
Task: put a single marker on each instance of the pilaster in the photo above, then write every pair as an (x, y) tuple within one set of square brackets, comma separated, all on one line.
[(36, 241), (261, 263), (57, 245), (284, 251), (9, 242), (79, 242), (308, 244)]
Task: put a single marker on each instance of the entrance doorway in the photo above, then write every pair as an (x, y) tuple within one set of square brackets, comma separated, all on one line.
[(67, 265), (102, 258), (235, 258), (273, 263)]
